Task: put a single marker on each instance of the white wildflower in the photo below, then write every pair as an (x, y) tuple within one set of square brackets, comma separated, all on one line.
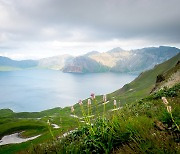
[(89, 102), (164, 100), (169, 109), (72, 109), (80, 102), (115, 103), (104, 98)]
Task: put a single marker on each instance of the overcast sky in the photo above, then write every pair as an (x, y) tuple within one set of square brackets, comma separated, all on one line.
[(42, 28)]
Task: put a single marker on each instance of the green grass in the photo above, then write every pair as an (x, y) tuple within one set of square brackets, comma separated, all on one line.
[(9, 126), (133, 128), (11, 122), (6, 113), (140, 127)]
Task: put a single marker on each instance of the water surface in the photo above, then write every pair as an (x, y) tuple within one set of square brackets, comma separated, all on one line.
[(36, 90)]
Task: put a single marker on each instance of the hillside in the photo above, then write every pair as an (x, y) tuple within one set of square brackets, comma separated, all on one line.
[(139, 109), (168, 79)]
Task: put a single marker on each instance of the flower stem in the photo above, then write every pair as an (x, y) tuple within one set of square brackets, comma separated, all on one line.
[(49, 127), (84, 115), (174, 121)]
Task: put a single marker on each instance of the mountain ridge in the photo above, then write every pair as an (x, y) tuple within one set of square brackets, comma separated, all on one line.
[(115, 60)]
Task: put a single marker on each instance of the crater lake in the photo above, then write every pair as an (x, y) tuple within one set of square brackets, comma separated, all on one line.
[(37, 90)]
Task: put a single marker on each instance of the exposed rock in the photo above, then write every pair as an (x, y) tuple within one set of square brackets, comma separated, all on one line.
[(168, 79)]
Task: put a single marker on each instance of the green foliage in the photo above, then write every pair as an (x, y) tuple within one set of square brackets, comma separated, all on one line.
[(5, 113), (165, 92), (160, 78)]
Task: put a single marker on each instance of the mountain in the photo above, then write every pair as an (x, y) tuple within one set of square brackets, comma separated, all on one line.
[(119, 60), (7, 62), (91, 53), (115, 60), (83, 64), (135, 60), (56, 62), (114, 50)]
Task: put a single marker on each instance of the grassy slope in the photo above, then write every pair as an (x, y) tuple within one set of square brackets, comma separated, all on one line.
[(140, 88), (140, 127), (142, 85)]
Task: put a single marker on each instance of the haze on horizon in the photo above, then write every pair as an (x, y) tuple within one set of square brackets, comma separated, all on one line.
[(33, 29)]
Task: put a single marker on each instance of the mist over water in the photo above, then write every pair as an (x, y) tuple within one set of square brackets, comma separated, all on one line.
[(36, 90)]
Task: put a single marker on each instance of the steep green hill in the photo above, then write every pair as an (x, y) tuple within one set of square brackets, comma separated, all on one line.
[(168, 79), (143, 84)]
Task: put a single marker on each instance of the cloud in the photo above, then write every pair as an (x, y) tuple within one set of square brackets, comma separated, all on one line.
[(84, 25)]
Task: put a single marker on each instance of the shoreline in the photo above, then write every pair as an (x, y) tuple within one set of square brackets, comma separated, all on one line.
[(15, 138)]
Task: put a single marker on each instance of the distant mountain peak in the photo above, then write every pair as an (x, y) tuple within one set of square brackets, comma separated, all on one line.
[(91, 53), (117, 49)]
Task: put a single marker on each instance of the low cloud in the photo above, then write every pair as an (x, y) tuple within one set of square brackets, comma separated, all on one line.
[(79, 26)]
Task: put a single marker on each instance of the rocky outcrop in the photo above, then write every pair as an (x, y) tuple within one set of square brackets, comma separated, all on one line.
[(168, 79)]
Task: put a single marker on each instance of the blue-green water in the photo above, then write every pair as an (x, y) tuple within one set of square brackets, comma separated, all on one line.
[(36, 90)]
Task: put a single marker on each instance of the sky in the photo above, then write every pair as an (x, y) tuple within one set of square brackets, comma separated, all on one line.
[(33, 29)]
